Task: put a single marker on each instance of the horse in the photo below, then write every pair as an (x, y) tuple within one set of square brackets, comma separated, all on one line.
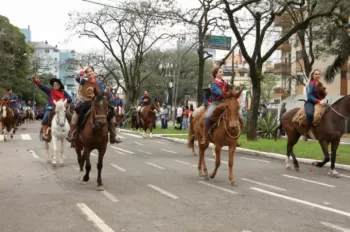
[(329, 131), (225, 132), (147, 117), (7, 119), (119, 117), (59, 131), (93, 135)]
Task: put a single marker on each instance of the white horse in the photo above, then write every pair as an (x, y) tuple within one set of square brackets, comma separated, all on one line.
[(59, 132)]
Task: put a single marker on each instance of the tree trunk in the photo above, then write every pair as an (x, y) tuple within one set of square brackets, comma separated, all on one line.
[(201, 63), (253, 112), (130, 97)]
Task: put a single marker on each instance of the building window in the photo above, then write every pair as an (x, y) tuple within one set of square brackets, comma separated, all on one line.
[(47, 50)]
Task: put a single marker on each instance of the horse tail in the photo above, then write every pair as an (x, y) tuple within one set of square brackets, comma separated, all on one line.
[(191, 135)]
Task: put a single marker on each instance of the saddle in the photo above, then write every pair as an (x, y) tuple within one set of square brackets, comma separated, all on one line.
[(300, 116)]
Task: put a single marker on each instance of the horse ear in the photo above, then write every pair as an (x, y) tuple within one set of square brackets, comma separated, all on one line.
[(238, 94), (54, 101)]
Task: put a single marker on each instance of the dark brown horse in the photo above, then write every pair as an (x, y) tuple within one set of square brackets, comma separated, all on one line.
[(330, 131), (147, 117), (94, 135), (7, 119), (226, 132)]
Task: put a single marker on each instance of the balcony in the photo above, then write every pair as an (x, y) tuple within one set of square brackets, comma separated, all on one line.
[(285, 47), (281, 68), (284, 20)]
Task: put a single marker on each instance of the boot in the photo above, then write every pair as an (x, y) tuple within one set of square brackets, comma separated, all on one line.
[(46, 136), (113, 138), (306, 127), (205, 133)]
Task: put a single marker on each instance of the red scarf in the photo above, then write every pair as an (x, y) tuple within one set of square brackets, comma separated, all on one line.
[(222, 84), (57, 95), (93, 80)]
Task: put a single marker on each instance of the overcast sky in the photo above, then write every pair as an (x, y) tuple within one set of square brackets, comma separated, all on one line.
[(47, 19)]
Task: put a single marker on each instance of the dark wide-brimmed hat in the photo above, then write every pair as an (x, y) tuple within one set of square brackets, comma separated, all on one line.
[(53, 80)]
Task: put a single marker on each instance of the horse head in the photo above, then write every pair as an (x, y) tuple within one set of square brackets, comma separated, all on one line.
[(99, 109), (60, 110), (4, 107), (232, 104), (155, 105)]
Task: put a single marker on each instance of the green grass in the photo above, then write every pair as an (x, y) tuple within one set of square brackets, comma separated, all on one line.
[(310, 149), (170, 130)]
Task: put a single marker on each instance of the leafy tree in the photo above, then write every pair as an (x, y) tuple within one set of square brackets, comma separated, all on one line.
[(268, 83)]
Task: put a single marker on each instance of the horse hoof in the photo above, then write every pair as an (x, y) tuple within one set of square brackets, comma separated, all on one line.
[(54, 164), (333, 173), (100, 188), (11, 136), (233, 183), (206, 177), (288, 168), (314, 163), (296, 169), (82, 182), (62, 164), (212, 176)]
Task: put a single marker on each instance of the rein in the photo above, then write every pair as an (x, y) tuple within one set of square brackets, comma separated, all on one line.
[(93, 112), (339, 113)]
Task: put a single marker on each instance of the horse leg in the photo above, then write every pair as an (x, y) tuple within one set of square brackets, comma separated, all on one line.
[(214, 155), (292, 140), (217, 160), (231, 153), (5, 133), (324, 147), (86, 154), (11, 132), (61, 152), (151, 129), (203, 166), (101, 153), (54, 148), (47, 148), (334, 147), (81, 161)]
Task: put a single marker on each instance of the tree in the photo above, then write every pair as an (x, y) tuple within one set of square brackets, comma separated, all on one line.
[(268, 84), (262, 15), (128, 35)]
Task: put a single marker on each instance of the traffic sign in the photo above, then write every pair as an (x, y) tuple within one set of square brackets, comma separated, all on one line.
[(217, 42)]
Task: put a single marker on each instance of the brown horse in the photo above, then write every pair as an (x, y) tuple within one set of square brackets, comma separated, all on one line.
[(330, 131), (147, 117), (225, 132), (94, 135), (7, 119)]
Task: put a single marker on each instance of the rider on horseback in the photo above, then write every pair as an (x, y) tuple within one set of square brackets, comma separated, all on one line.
[(312, 99), (217, 87), (145, 100), (13, 104), (83, 106), (206, 97), (56, 93), (118, 103)]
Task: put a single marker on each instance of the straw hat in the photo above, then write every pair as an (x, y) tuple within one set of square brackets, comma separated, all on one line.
[(87, 90)]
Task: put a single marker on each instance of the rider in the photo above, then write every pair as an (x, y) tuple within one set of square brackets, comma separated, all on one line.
[(217, 87), (83, 106), (13, 104), (312, 100), (145, 100), (56, 93), (206, 97), (118, 103)]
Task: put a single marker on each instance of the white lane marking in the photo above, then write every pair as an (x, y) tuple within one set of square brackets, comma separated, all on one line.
[(163, 191), (162, 143), (303, 202), (149, 153), (182, 162), (1, 137), (122, 137), (154, 165), (310, 181), (93, 154), (33, 154), (132, 135), (336, 227), (130, 152), (121, 153), (217, 187), (262, 184), (94, 218), (225, 162), (265, 161), (26, 137), (168, 151), (138, 143), (110, 196), (119, 168), (346, 176)]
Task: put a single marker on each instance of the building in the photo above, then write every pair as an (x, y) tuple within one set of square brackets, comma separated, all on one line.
[(68, 68), (27, 33)]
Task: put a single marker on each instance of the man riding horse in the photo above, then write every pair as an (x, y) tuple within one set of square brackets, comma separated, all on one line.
[(85, 104), (218, 87), (13, 105), (145, 100), (119, 104), (55, 93)]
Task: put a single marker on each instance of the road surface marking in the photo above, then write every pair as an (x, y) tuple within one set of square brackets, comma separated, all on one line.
[(155, 165), (336, 227), (130, 152), (168, 151), (162, 143), (33, 154), (94, 218), (217, 187), (163, 191), (182, 162), (149, 153), (262, 184), (303, 202), (121, 153), (110, 196), (1, 137), (138, 143), (119, 168), (93, 154), (265, 161), (122, 137), (310, 181), (132, 135), (26, 137), (344, 175), (225, 162)]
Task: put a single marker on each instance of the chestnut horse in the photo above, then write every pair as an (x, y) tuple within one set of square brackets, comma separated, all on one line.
[(147, 117), (225, 132), (93, 135), (330, 131), (7, 119)]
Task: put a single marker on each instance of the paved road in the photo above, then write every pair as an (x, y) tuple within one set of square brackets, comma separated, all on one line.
[(152, 185)]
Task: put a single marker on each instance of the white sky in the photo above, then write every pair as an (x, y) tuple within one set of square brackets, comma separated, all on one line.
[(47, 19)]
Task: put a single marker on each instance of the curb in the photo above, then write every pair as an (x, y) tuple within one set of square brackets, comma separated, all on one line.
[(260, 153)]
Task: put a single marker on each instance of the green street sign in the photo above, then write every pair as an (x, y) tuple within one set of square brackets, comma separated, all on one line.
[(217, 42)]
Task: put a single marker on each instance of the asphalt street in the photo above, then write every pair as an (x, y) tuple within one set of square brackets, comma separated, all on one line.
[(152, 185)]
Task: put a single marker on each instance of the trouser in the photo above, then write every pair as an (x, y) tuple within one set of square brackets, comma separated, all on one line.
[(210, 111), (309, 110)]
